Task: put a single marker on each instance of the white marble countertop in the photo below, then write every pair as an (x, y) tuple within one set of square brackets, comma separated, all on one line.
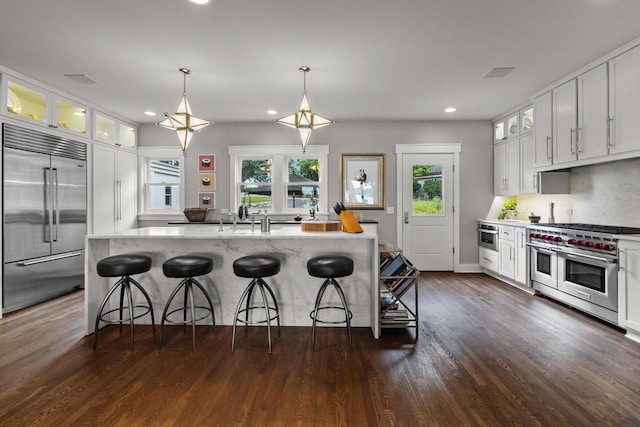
[(512, 222), (211, 232), (629, 237)]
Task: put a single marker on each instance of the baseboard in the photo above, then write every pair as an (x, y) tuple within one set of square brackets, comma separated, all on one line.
[(468, 268)]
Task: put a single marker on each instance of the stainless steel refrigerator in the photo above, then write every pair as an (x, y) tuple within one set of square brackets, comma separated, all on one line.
[(44, 216)]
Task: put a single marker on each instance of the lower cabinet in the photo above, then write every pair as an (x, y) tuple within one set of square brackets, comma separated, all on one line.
[(629, 287), (521, 267), (489, 259), (114, 191), (510, 261)]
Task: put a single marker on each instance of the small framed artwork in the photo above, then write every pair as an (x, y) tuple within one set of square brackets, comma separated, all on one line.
[(206, 163), (207, 200), (206, 181), (362, 181)]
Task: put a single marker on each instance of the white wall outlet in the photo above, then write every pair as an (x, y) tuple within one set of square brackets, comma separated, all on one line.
[(391, 210), (224, 210)]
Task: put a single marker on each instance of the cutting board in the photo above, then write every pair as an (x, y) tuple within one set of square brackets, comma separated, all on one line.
[(321, 226)]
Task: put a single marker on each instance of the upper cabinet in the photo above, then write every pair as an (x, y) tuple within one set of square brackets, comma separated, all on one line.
[(543, 113), (580, 117), (526, 120), (624, 104), (113, 131), (33, 104), (507, 127)]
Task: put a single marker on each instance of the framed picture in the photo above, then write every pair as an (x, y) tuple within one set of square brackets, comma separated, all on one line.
[(207, 200), (206, 181), (362, 181), (206, 163)]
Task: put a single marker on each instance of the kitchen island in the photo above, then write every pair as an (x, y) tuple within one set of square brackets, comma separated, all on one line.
[(295, 290)]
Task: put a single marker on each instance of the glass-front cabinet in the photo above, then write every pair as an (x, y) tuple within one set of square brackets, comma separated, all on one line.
[(104, 128), (27, 102), (70, 116), (526, 120), (513, 125), (31, 103), (127, 135)]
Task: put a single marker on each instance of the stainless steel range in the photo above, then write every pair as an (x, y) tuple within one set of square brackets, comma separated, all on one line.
[(578, 265)]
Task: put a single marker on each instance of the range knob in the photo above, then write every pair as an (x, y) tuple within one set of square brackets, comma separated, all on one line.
[(587, 244), (571, 242), (532, 235), (538, 236), (607, 247), (597, 246), (557, 239), (579, 243)]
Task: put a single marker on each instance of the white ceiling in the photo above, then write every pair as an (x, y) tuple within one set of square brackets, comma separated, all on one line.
[(369, 59)]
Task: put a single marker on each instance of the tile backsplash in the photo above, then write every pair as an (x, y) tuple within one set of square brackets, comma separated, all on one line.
[(600, 194)]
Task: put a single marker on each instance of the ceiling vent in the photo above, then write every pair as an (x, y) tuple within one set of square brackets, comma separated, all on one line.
[(497, 73), (82, 79)]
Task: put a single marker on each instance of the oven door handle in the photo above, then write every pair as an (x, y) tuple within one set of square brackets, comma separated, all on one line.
[(482, 230), (593, 257), (540, 247)]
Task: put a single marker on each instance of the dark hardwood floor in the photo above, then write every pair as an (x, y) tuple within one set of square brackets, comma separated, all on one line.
[(487, 354)]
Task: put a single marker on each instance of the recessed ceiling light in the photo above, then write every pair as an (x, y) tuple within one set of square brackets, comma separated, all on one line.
[(200, 2), (149, 113), (450, 110), (272, 112)]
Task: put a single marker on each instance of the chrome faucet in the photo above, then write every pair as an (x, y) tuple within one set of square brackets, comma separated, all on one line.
[(235, 220), (314, 206), (221, 229)]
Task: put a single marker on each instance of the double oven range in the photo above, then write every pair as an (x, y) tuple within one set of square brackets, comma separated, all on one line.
[(577, 264)]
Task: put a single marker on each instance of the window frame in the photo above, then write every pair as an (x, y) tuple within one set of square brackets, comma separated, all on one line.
[(145, 156), (279, 155)]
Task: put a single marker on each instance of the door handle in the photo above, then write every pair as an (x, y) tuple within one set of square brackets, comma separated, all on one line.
[(571, 131), (406, 217), (56, 204), (610, 129), (548, 141), (47, 205), (49, 259)]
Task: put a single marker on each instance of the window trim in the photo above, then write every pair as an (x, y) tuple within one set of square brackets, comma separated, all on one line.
[(145, 155), (280, 155)]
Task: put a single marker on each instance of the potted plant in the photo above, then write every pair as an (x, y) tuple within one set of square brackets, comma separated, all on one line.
[(508, 210)]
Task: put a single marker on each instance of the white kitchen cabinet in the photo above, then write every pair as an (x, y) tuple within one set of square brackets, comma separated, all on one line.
[(624, 107), (565, 122), (543, 115), (113, 131), (506, 168), (629, 287), (593, 130), (30, 103), (521, 268), (113, 190), (528, 176), (507, 252), (488, 259)]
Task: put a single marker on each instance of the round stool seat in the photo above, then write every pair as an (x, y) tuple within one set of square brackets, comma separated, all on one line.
[(330, 266), (123, 265), (256, 266), (187, 266)]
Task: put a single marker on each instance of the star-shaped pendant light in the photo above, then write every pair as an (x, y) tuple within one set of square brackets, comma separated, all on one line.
[(304, 120), (183, 122)]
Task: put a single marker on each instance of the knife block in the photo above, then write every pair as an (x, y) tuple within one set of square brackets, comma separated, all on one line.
[(349, 222)]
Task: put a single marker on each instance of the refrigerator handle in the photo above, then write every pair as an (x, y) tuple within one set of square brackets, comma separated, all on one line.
[(48, 222), (56, 204), (118, 200)]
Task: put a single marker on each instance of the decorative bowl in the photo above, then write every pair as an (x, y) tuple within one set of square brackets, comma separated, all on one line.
[(534, 219), (195, 214), (297, 218)]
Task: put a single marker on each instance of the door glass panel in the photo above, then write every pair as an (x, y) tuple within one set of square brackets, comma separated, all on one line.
[(69, 116), (499, 131), (127, 136), (104, 128), (543, 263), (587, 275), (512, 125), (26, 102), (427, 190), (527, 120)]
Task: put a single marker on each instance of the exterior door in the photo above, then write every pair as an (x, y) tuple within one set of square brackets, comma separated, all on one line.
[(427, 209)]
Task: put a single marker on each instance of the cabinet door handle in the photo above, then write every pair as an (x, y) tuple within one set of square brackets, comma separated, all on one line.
[(535, 181), (578, 132), (571, 131), (548, 143), (610, 131)]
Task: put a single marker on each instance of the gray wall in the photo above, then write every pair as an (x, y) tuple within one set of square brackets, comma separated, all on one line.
[(476, 161)]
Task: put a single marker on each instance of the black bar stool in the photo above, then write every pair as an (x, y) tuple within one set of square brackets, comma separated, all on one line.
[(329, 267), (187, 267), (256, 267), (124, 266)]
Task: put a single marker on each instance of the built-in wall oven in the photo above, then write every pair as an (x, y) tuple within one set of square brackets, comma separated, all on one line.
[(578, 265), (488, 236)]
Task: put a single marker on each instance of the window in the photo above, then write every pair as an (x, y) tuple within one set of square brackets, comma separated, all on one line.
[(279, 179), (161, 178)]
